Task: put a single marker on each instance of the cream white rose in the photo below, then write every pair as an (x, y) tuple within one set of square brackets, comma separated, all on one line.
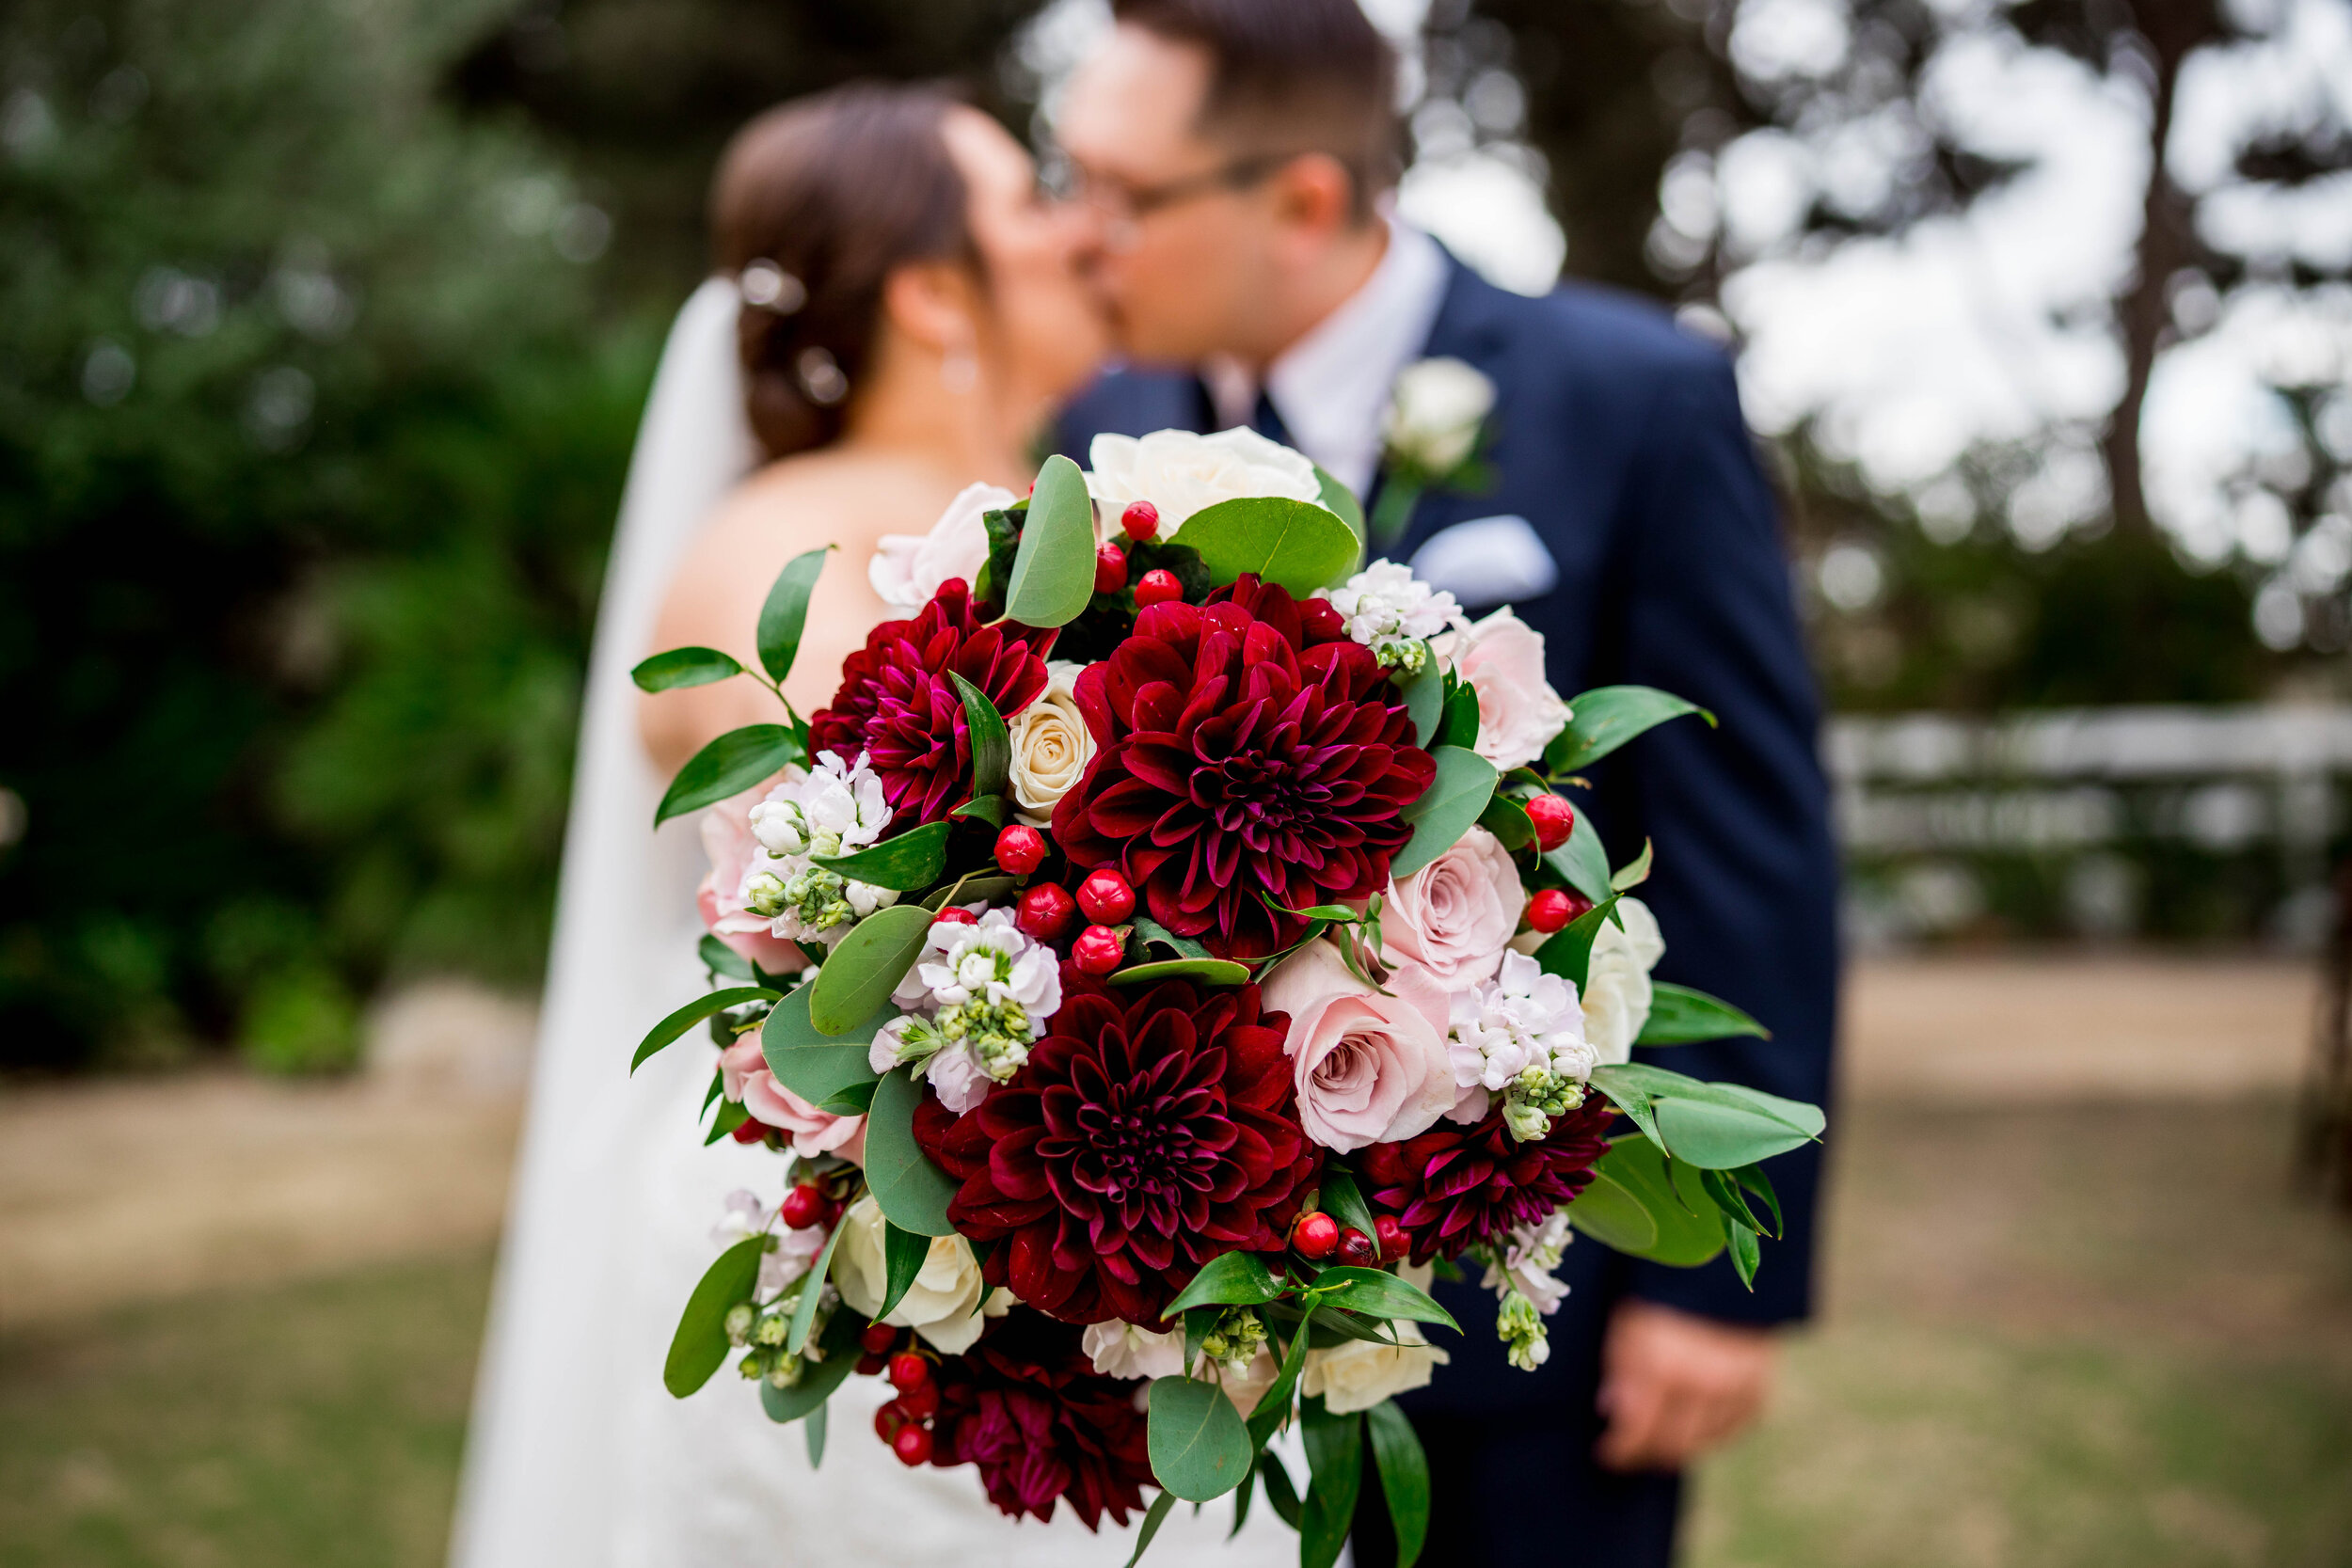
[(1617, 988), (1435, 412), (1181, 472), (1518, 712), (1358, 1375), (943, 1304), (908, 568), (1122, 1350), (1050, 747), (1455, 916), (1247, 1387)]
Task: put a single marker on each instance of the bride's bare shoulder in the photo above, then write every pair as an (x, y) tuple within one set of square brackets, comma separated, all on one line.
[(798, 504)]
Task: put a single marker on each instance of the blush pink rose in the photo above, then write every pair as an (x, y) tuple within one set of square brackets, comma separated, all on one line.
[(1455, 916), (1518, 712), (727, 839), (1369, 1068), (743, 1074)]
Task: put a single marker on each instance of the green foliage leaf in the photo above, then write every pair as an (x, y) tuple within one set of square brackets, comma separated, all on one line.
[(818, 1379), (1757, 1185), (812, 1289), (830, 1071), (1633, 873), (1459, 724), (1052, 571), (1714, 1126), (1453, 801), (903, 1254), (1296, 543), (1582, 862), (912, 1191), (1274, 1405), (781, 618), (1228, 1280), (815, 1432), (1745, 1252), (992, 745), (861, 971), (731, 1115), (1641, 1206), (906, 863), (1335, 1455), (681, 666), (1343, 1200), (1607, 717), (703, 1007), (1397, 1453), (729, 765), (1424, 697), (1569, 952), (1215, 971), (1199, 1447), (1379, 1294), (970, 890), (1151, 930), (995, 810), (1279, 1490), (1508, 821), (1344, 505), (700, 1346), (1678, 1015), (1154, 1517), (720, 959)]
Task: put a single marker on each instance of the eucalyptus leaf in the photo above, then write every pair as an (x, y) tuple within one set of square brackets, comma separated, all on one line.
[(1228, 1280), (1678, 1015), (703, 1007), (1199, 1447), (819, 1068), (1344, 505), (781, 618), (906, 863), (1215, 971), (1424, 697), (1582, 862), (1610, 1214), (1607, 717), (861, 971), (968, 889), (1151, 932), (818, 1379), (992, 747), (729, 765), (699, 1346), (912, 1191), (1403, 1469), (1379, 1294), (1298, 544), (1052, 571), (904, 1253), (1453, 801), (1644, 1207), (682, 667), (1335, 1454)]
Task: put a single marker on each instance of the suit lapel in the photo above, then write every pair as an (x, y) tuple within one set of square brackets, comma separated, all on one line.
[(1472, 326)]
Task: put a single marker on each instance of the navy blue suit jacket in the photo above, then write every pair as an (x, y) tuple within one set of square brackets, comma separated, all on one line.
[(1619, 438)]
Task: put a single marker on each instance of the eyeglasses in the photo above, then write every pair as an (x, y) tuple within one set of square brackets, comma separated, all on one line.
[(1126, 205)]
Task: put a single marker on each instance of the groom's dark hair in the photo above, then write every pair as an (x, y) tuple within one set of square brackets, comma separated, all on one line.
[(1292, 76)]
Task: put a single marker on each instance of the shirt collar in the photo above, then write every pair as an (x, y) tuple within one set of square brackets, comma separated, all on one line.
[(1332, 388)]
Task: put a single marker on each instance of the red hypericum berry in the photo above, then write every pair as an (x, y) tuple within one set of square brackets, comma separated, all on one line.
[(889, 1419), (920, 1402), (1098, 949), (1315, 1235), (749, 1131), (1021, 848), (1157, 586), (1355, 1248), (1389, 1233), (1548, 911), (955, 915), (1554, 819), (804, 1206), (1110, 569), (1105, 898), (877, 1339), (909, 1370), (869, 1366), (1044, 911), (1321, 623), (1141, 520), (912, 1445)]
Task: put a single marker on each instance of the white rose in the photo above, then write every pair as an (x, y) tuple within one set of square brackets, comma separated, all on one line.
[(1181, 472), (943, 1304), (1435, 412), (1358, 1375), (1050, 747), (908, 568), (1518, 712), (1247, 1386), (1617, 988), (1122, 1350)]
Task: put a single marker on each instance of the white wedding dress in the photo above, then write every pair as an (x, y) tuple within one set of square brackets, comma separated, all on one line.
[(578, 1456)]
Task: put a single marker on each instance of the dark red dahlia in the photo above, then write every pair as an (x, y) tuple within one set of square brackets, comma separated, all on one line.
[(898, 705), (1236, 754), (1026, 1407), (1455, 1186), (1146, 1136)]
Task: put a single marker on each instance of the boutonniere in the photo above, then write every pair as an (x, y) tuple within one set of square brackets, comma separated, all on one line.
[(1432, 438)]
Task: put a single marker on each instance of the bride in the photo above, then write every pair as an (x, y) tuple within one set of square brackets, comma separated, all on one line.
[(897, 313)]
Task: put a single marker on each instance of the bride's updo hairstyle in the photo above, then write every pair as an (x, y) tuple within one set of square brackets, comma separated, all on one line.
[(816, 202)]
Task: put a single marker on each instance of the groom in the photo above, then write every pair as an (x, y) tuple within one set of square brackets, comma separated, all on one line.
[(1235, 155)]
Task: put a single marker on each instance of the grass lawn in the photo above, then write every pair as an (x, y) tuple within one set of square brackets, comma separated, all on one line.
[(2053, 1340)]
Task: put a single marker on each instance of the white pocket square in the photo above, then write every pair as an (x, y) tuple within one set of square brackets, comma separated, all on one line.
[(1488, 561)]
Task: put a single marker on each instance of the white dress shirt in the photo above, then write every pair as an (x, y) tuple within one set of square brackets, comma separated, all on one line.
[(1331, 387)]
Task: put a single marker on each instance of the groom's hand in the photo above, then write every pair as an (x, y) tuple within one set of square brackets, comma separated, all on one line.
[(1673, 1386)]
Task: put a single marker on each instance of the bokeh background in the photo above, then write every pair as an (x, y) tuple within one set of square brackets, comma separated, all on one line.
[(324, 328)]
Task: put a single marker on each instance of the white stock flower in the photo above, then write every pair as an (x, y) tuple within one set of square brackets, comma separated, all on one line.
[(908, 568), (1357, 1375), (1122, 1350), (979, 993), (834, 808), (947, 1303), (1527, 1261), (1181, 472), (1618, 984), (1050, 747), (795, 1251), (1434, 413), (1522, 1019), (1390, 610)]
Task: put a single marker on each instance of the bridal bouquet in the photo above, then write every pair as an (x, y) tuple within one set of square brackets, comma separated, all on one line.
[(1168, 950)]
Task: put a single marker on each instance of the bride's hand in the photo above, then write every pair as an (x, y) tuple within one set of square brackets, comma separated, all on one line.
[(1674, 1386)]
